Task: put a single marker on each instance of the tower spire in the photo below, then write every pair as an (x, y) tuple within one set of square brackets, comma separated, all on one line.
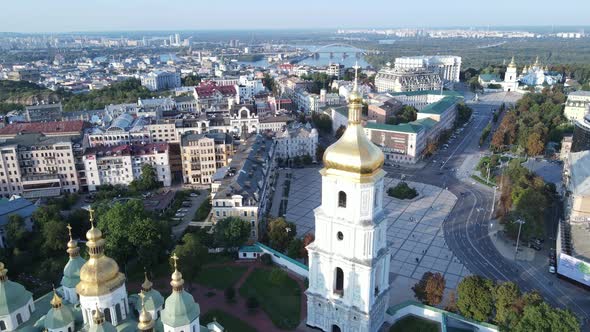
[(177, 282), (73, 249), (146, 323)]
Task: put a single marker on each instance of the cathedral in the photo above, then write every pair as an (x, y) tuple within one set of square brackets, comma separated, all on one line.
[(537, 75), (93, 298), (349, 259)]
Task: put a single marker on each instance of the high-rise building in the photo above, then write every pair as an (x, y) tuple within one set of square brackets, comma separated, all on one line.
[(447, 66), (349, 259), (581, 137), (577, 105)]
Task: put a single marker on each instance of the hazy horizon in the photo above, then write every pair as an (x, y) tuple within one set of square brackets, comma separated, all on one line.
[(71, 16)]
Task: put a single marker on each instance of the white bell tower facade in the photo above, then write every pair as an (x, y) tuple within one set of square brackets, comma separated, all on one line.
[(511, 77), (349, 260)]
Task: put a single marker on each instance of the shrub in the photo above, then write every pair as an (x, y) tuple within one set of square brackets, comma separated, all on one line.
[(266, 259), (230, 294), (402, 191), (252, 303)]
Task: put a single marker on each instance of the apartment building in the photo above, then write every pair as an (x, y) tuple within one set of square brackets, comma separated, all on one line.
[(35, 165), (44, 112), (297, 140), (54, 128), (122, 164), (245, 187), (203, 154), (577, 105), (160, 80)]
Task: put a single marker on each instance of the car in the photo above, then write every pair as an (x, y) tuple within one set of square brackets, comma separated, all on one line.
[(183, 210), (536, 247), (551, 269), (440, 173), (194, 195), (176, 219), (180, 215)]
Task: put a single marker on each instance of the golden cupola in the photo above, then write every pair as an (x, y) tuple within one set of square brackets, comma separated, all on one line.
[(354, 153), (100, 274), (512, 64), (145, 321)]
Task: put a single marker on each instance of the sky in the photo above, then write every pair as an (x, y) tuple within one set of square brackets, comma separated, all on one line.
[(126, 15)]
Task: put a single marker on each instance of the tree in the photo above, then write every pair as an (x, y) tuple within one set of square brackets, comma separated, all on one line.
[(281, 233), (452, 303), (294, 248), (130, 232), (16, 232), (148, 179), (535, 145), (278, 277), (307, 239), (541, 317), (193, 253), (231, 232), (230, 294), (475, 298), (506, 295), (306, 159), (463, 113), (190, 80), (430, 289)]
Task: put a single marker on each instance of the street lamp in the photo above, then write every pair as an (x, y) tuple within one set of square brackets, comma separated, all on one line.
[(520, 222)]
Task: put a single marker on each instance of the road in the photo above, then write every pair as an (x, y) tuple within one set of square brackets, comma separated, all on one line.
[(467, 227)]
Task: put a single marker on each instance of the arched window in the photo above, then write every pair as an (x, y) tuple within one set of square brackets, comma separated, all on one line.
[(339, 282), (335, 328), (107, 315), (69, 329), (2, 325), (19, 319), (340, 236), (342, 199)]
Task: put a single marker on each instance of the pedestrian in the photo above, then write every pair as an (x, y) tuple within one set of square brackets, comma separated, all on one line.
[(417, 260)]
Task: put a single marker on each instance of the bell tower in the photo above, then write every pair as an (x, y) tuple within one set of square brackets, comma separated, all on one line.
[(349, 259), (511, 77)]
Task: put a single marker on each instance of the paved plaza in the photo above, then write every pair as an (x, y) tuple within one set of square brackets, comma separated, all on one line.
[(414, 232)]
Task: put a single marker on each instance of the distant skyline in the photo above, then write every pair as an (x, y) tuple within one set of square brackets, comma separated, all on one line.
[(155, 15)]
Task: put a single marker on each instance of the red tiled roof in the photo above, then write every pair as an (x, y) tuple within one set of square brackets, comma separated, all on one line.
[(54, 127), (207, 89)]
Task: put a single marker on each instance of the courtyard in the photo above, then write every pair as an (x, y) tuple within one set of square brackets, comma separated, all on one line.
[(414, 232)]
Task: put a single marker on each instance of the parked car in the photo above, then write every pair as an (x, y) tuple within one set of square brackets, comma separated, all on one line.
[(194, 195), (182, 210), (551, 269), (187, 203), (180, 215)]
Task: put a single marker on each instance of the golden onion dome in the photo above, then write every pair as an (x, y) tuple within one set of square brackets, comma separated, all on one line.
[(512, 64), (100, 274), (145, 321), (56, 300), (146, 286), (354, 152)]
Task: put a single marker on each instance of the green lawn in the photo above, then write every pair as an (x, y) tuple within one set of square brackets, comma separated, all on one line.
[(228, 321), (220, 277), (415, 324), (281, 302)]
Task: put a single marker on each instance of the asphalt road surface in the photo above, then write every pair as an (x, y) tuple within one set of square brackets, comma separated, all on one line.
[(466, 228)]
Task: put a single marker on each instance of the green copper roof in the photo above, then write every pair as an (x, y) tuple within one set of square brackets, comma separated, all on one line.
[(403, 127), (59, 318), (153, 300), (180, 309), (440, 106), (71, 275), (104, 327), (13, 296)]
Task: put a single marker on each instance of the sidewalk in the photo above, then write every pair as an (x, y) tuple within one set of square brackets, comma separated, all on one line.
[(506, 247)]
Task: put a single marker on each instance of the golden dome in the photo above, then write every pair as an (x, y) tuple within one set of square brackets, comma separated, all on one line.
[(56, 300), (354, 152), (177, 281), (145, 318), (512, 64), (147, 284), (100, 274), (98, 317)]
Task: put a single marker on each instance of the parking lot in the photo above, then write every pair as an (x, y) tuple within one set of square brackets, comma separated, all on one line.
[(414, 233)]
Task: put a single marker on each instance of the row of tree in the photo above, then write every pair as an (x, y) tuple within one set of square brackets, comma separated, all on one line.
[(536, 120), (504, 304), (523, 196)]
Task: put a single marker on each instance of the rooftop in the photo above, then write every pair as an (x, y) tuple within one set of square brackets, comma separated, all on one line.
[(20, 206), (47, 128), (441, 106)]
